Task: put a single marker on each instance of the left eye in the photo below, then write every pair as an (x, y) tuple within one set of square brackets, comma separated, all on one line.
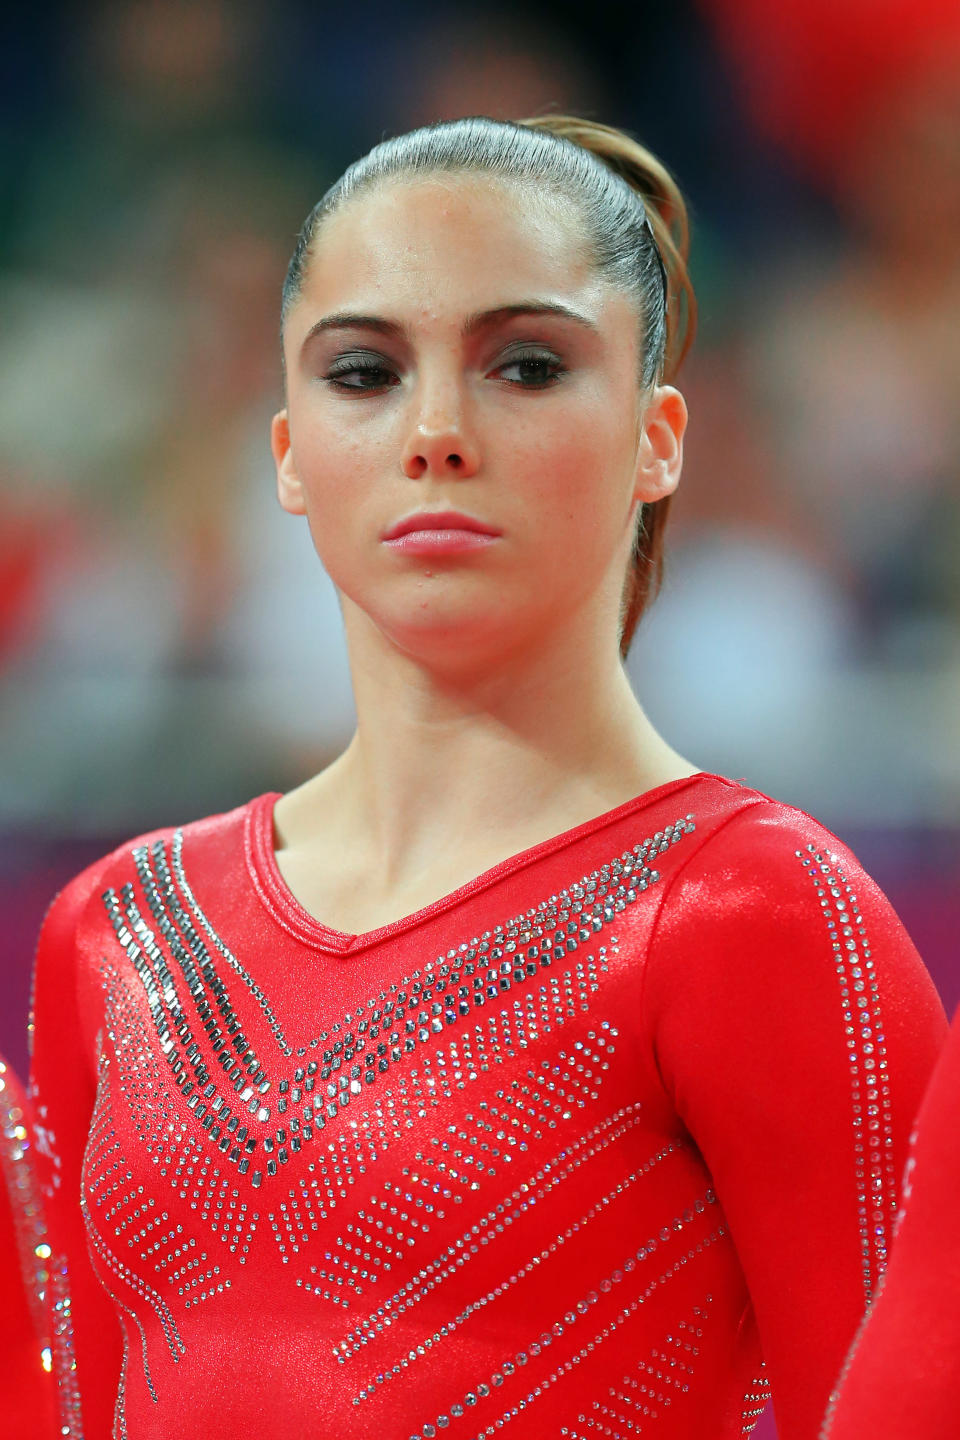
[(374, 373), (544, 367)]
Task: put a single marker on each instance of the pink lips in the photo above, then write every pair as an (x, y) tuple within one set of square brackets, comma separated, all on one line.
[(440, 531)]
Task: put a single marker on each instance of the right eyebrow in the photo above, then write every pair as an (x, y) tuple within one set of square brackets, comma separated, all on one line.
[(482, 319)]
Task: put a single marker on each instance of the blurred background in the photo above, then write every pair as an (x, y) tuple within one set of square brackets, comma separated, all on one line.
[(169, 644)]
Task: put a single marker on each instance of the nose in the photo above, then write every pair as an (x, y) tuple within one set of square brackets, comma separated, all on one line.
[(439, 439)]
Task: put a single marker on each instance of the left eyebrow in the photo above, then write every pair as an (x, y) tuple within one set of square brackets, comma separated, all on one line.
[(481, 320)]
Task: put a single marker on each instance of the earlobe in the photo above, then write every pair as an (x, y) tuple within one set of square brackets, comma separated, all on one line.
[(289, 488)]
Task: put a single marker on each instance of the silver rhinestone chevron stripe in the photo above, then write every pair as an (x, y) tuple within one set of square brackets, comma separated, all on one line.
[(563, 1326), (475, 1010), (659, 1381), (506, 1212), (481, 1301), (105, 1175), (376, 1036), (218, 943)]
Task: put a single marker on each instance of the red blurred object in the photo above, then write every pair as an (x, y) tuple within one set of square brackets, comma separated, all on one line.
[(38, 534), (816, 72), (21, 556)]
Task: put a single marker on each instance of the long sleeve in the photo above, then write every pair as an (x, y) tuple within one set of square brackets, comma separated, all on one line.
[(795, 1028), (85, 1331), (902, 1377)]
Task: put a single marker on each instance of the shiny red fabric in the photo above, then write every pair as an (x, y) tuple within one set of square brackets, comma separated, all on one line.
[(902, 1379), (600, 1143), (27, 1394)]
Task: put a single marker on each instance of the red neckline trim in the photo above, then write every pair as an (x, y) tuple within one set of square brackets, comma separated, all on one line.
[(294, 918)]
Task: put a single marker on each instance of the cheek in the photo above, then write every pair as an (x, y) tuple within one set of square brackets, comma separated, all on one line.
[(335, 485), (337, 467), (571, 475)]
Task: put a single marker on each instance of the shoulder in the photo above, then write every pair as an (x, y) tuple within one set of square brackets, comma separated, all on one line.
[(80, 900), (773, 920), (766, 846), (770, 937), (772, 890)]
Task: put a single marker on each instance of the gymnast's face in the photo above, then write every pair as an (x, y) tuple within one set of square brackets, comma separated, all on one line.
[(442, 394)]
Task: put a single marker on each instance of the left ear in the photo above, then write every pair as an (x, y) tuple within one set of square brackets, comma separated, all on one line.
[(660, 445)]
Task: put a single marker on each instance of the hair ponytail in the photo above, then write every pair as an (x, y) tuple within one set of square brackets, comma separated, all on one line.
[(666, 211)]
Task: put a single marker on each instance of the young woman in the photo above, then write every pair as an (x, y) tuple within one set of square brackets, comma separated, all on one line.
[(512, 1073)]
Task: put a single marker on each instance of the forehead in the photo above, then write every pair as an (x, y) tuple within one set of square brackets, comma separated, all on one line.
[(451, 237)]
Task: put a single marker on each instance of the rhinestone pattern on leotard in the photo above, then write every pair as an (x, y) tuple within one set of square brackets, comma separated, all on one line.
[(470, 1198), (867, 1059), (318, 1118), (397, 1183)]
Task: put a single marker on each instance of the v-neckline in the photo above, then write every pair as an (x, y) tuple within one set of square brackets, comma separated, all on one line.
[(260, 842)]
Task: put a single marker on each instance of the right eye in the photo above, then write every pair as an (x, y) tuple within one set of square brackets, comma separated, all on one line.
[(357, 365)]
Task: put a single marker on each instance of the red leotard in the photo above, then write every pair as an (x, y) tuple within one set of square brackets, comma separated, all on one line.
[(599, 1144), (902, 1378)]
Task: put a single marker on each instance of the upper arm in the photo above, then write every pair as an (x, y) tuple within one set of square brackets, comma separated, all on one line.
[(795, 1027)]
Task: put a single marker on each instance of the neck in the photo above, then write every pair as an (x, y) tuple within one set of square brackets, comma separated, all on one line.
[(543, 740)]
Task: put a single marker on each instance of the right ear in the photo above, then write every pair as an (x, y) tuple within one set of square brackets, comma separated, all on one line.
[(289, 488)]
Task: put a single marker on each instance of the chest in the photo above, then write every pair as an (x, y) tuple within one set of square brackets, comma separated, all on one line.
[(336, 1138)]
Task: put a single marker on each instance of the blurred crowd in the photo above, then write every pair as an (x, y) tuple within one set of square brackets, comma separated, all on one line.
[(169, 644)]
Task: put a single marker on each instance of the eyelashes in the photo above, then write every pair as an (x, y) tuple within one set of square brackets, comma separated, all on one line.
[(551, 369), (553, 366), (354, 366)]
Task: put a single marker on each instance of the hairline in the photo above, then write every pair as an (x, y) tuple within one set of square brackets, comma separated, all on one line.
[(458, 174)]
